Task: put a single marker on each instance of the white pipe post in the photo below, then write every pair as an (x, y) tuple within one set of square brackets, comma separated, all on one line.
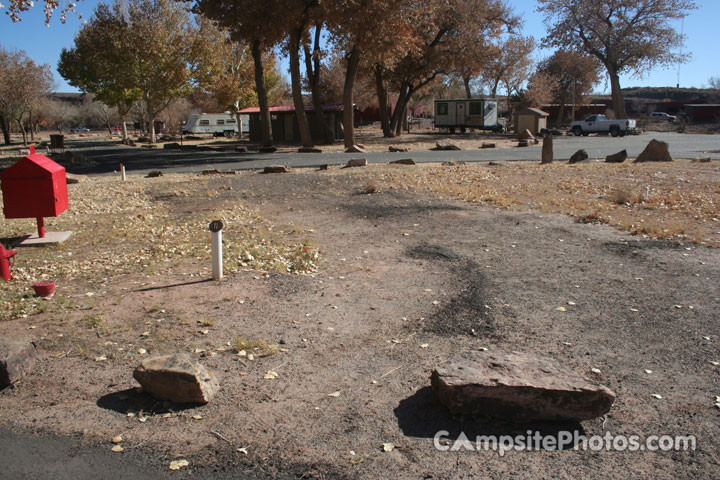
[(122, 171), (217, 256)]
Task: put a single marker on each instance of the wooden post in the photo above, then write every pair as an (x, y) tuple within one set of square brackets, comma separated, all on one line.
[(122, 172), (41, 227)]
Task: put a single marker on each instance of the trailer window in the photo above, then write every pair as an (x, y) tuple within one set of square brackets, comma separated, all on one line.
[(476, 108), (204, 122), (230, 120), (442, 109), (221, 122)]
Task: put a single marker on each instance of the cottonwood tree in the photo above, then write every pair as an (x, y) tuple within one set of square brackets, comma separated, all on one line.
[(444, 29), (141, 50), (102, 64), (251, 22), (23, 83), (367, 28), (572, 76), (624, 35)]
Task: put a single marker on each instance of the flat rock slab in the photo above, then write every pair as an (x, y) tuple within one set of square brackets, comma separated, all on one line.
[(276, 169), (517, 387), (32, 240), (17, 358), (403, 161), (355, 149), (447, 145), (72, 178), (177, 378)]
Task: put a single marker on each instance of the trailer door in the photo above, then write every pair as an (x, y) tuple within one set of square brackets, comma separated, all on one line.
[(460, 113)]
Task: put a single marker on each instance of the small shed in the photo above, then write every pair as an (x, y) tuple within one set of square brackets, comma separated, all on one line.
[(531, 119), (284, 122)]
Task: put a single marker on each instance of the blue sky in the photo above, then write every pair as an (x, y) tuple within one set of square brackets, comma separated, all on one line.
[(43, 44)]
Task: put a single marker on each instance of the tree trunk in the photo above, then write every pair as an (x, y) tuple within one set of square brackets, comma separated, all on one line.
[(296, 82), (383, 102), (353, 62), (312, 67), (617, 96), (5, 130), (265, 125), (124, 129), (153, 139), (22, 130), (396, 121), (466, 82), (30, 126)]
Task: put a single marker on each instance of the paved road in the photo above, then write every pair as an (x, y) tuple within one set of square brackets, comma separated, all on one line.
[(106, 159)]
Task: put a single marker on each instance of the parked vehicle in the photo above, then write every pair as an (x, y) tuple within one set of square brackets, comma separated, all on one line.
[(662, 116), (79, 130), (600, 124), (462, 114), (216, 124)]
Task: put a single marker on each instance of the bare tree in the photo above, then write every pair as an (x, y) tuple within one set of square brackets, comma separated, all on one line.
[(22, 84), (624, 35)]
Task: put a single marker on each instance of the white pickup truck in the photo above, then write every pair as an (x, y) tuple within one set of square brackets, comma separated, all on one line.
[(600, 124)]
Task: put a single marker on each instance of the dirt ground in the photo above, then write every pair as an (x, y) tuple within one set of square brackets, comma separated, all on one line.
[(405, 278)]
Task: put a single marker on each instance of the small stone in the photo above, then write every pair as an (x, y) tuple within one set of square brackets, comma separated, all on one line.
[(117, 448), (178, 464), (388, 447), (655, 395), (117, 439), (595, 370)]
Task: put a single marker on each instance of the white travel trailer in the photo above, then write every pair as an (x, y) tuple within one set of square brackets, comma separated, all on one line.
[(466, 113), (216, 124)]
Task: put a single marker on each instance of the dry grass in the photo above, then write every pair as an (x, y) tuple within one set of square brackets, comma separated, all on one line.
[(260, 347), (146, 226), (676, 200)]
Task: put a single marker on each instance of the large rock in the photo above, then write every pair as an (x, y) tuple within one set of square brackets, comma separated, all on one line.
[(309, 150), (518, 387), (357, 162), (619, 157), (355, 149), (579, 156), (403, 161), (177, 378), (488, 145), (17, 358), (655, 151), (397, 149), (547, 148), (447, 145), (276, 169)]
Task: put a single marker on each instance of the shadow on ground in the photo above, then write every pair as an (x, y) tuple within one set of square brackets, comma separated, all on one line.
[(133, 400), (422, 416)]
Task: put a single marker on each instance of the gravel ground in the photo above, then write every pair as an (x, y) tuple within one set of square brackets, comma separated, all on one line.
[(405, 280)]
